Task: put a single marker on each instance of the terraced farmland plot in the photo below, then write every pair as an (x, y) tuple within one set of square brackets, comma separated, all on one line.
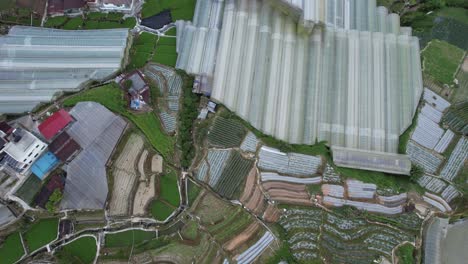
[(233, 175), (441, 60), (457, 117), (128, 238), (125, 175), (82, 250), (226, 133), (314, 234)]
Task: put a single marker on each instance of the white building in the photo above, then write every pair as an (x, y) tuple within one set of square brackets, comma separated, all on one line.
[(21, 150)]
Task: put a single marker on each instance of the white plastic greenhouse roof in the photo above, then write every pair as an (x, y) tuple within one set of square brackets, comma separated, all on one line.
[(97, 131), (371, 160), (38, 63), (355, 86)]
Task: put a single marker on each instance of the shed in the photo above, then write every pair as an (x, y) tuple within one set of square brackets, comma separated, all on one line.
[(44, 165), (55, 123)]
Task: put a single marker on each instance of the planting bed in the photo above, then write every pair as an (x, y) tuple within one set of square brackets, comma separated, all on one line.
[(125, 175), (313, 234), (226, 133)]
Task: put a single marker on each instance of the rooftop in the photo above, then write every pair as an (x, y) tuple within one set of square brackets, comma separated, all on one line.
[(55, 123)]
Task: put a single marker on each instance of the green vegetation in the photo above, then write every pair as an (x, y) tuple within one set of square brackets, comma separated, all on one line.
[(284, 252), (7, 4), (226, 133), (74, 23), (29, 189), (166, 51), (319, 148), (233, 176), (190, 230), (405, 254), (55, 22), (11, 249), (123, 253), (128, 238), (41, 233), (441, 60), (54, 200), (83, 250), (192, 192), (459, 14), (111, 96), (171, 32), (187, 116), (384, 181), (457, 117), (92, 20), (141, 50), (405, 137), (169, 190), (180, 9), (161, 210)]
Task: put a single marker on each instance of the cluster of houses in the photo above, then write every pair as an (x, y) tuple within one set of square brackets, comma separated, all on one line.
[(23, 152)]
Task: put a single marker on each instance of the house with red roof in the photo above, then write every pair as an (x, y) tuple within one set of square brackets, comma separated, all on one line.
[(54, 124)]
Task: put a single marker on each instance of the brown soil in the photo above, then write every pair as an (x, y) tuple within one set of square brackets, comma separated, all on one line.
[(293, 201), (242, 238), (249, 185), (272, 214), (256, 202), (287, 193), (284, 185)]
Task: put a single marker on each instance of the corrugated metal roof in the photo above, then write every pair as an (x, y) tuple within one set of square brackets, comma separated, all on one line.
[(56, 122)]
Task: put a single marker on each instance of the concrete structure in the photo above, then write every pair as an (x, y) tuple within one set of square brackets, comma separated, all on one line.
[(21, 150)]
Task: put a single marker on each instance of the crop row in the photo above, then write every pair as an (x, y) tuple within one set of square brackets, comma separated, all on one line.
[(233, 175), (226, 133)]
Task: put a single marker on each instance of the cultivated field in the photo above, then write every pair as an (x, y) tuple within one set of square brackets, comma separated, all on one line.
[(11, 248), (145, 192), (125, 176), (83, 250), (441, 60), (314, 233), (41, 233), (128, 238), (226, 133)]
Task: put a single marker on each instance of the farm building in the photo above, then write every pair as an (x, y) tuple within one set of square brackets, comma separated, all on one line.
[(97, 131), (55, 182), (38, 63), (21, 150), (44, 165), (64, 147), (54, 124), (354, 82), (138, 89), (371, 160)]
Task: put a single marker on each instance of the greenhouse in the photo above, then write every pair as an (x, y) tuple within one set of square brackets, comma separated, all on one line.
[(371, 160), (353, 80), (38, 63)]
